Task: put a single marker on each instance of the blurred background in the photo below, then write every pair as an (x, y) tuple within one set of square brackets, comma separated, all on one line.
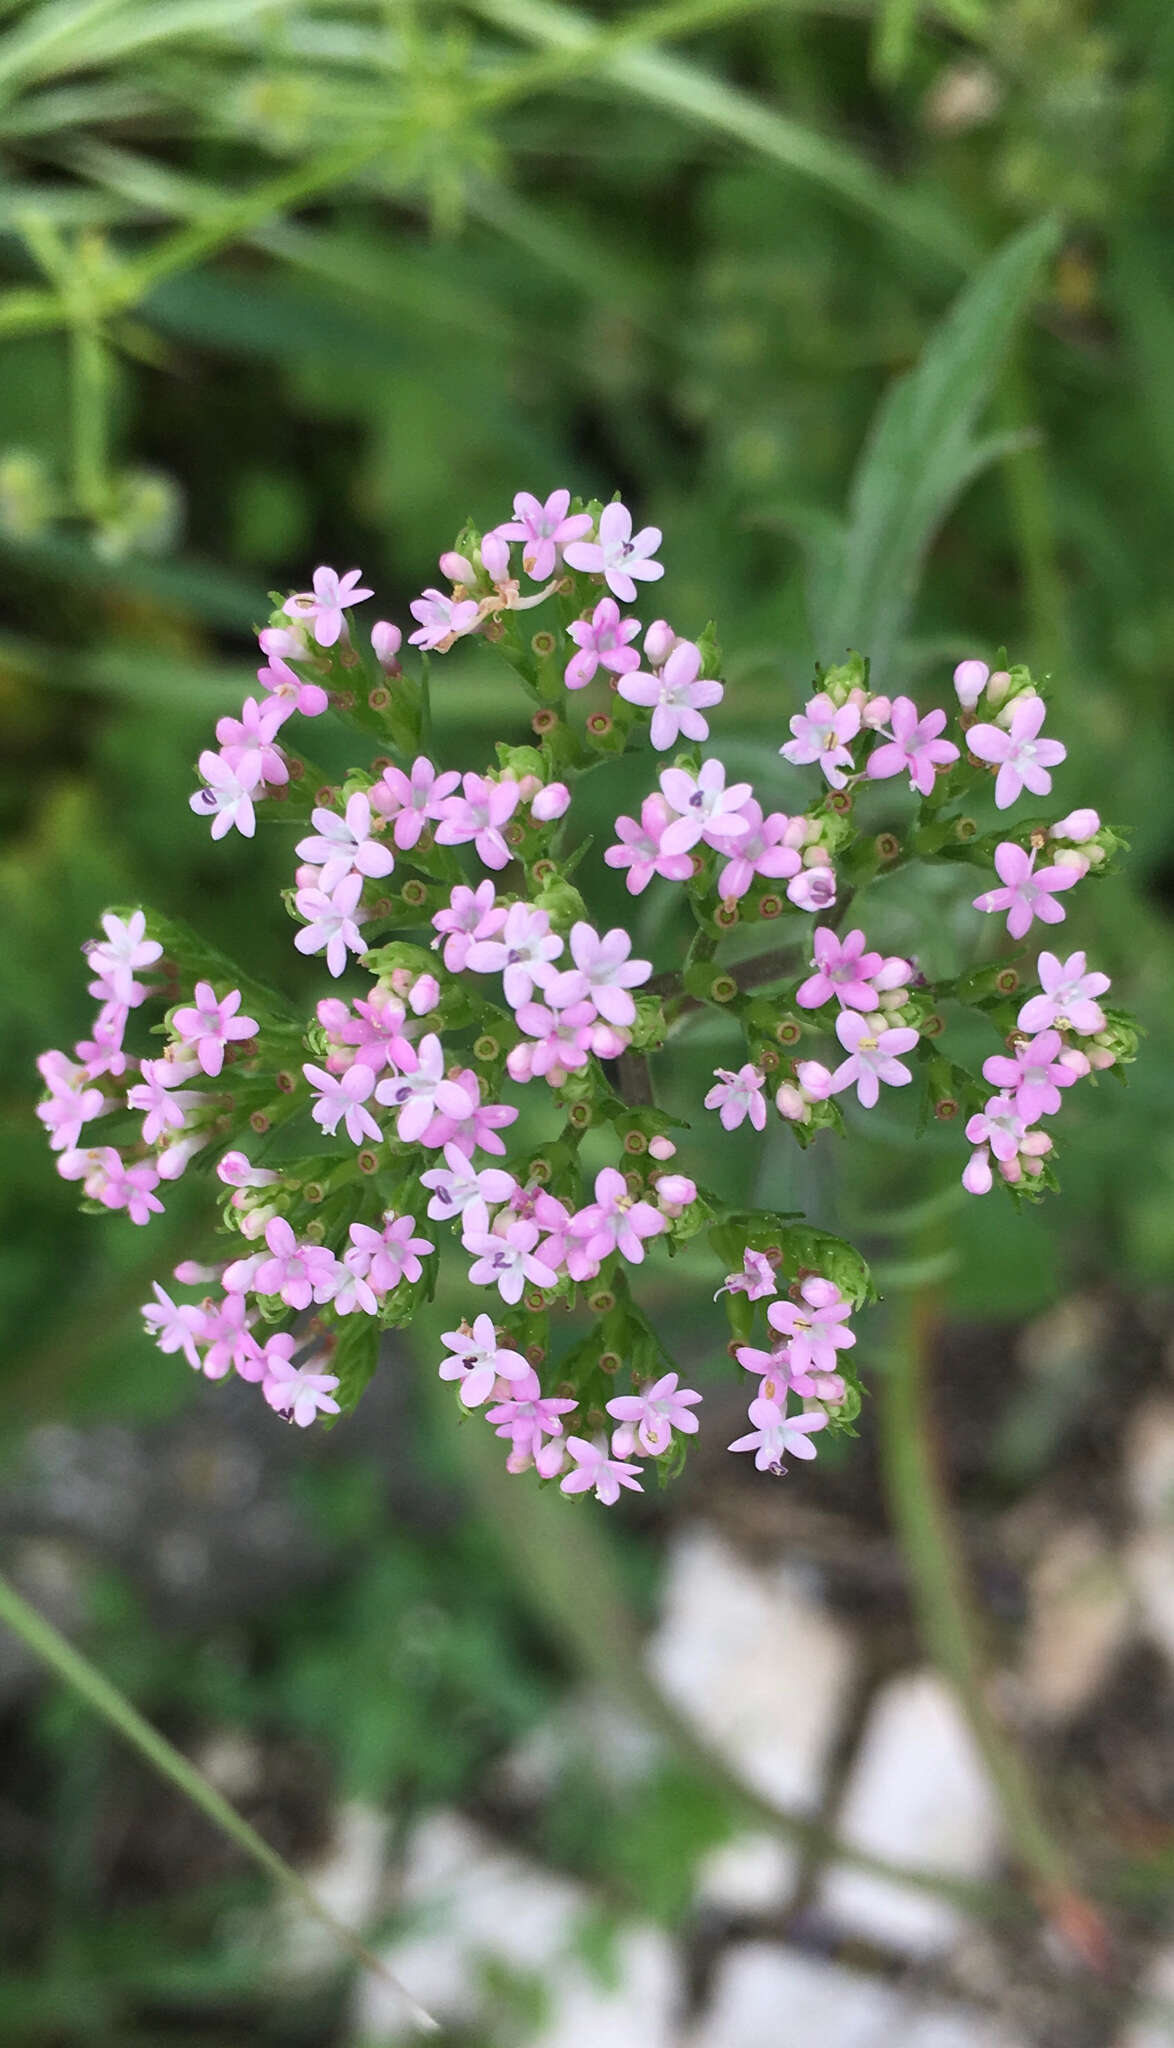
[(291, 283)]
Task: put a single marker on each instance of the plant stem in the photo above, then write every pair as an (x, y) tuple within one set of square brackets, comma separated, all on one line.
[(925, 1529), (89, 1684)]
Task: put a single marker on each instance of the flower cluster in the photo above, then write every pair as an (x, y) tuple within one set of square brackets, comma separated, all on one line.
[(445, 900)]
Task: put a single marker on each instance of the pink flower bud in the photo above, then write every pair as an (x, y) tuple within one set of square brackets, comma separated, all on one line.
[(495, 557), (659, 642), (457, 568), (386, 641), (970, 680), (796, 834), (190, 1273), (607, 1043), (661, 1148), (792, 1104), (674, 1192), (520, 1062), (997, 688), (814, 1079), (257, 1221), (550, 803), (977, 1178), (1075, 1061), (1072, 857), (423, 995), (529, 786), (877, 712), (307, 877), (1101, 1058), (1077, 826)]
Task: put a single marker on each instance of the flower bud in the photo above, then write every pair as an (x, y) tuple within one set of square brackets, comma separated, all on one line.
[(1072, 857), (877, 711), (659, 642), (550, 803), (495, 557), (814, 1079), (528, 787), (386, 641), (814, 889), (1101, 1058), (1077, 826), (662, 1148), (970, 680), (457, 568), (792, 1104), (997, 688), (423, 995), (674, 1192)]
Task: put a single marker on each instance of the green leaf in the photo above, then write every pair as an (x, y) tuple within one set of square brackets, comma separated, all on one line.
[(920, 455)]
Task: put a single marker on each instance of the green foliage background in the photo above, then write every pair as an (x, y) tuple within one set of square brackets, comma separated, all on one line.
[(288, 283)]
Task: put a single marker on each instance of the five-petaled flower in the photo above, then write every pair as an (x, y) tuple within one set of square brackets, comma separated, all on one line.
[(617, 554), (1028, 892), (1022, 758), (212, 1025)]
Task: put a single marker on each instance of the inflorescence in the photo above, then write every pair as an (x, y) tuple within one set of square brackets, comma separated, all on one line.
[(482, 984)]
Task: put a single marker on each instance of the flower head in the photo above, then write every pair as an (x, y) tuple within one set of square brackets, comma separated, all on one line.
[(617, 554), (1022, 757)]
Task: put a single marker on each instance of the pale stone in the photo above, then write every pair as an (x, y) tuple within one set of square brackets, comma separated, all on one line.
[(917, 1793), (470, 1903), (768, 1997), (751, 1873), (1152, 2026), (348, 1880), (1079, 1621), (1149, 1460), (1149, 1562), (755, 1663), (588, 1725)]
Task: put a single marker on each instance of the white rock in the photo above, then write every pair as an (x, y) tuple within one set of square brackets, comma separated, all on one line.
[(1079, 1621), (1149, 1562), (767, 1997), (589, 1725), (751, 1873), (1149, 1460), (1153, 2024), (473, 1904), (347, 1880), (755, 1663), (917, 1793)]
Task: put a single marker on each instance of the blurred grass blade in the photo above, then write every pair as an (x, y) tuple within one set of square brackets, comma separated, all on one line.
[(89, 1684), (698, 96), (919, 457)]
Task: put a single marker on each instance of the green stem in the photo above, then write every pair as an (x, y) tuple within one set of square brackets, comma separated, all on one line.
[(89, 1684), (90, 418), (941, 1596)]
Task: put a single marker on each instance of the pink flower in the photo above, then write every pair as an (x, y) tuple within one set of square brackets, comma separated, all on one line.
[(649, 1418), (767, 850), (1023, 758), (247, 742), (459, 1189), (739, 1096), (376, 1031), (476, 1130), (914, 745), (478, 1361), (211, 1026), (413, 800), (842, 969), (813, 1329), (1068, 997), (323, 608), (814, 889), (344, 846), (596, 1472), (231, 1348), (508, 1261), (1026, 894), (297, 1272), (602, 973), (442, 619), (618, 555), (228, 796), (528, 1418), (419, 1096), (544, 530), (116, 958), (706, 808), (1034, 1074), (119, 1186), (471, 914), (676, 697), (283, 682), (641, 850), (755, 1281), (821, 733), (1000, 1126), (479, 815), (385, 1257), (872, 1057), (160, 1098), (296, 1390), (602, 641), (776, 1435), (72, 1102), (386, 641), (175, 1326), (616, 1220), (332, 922), (522, 955), (562, 1041), (340, 1099)]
